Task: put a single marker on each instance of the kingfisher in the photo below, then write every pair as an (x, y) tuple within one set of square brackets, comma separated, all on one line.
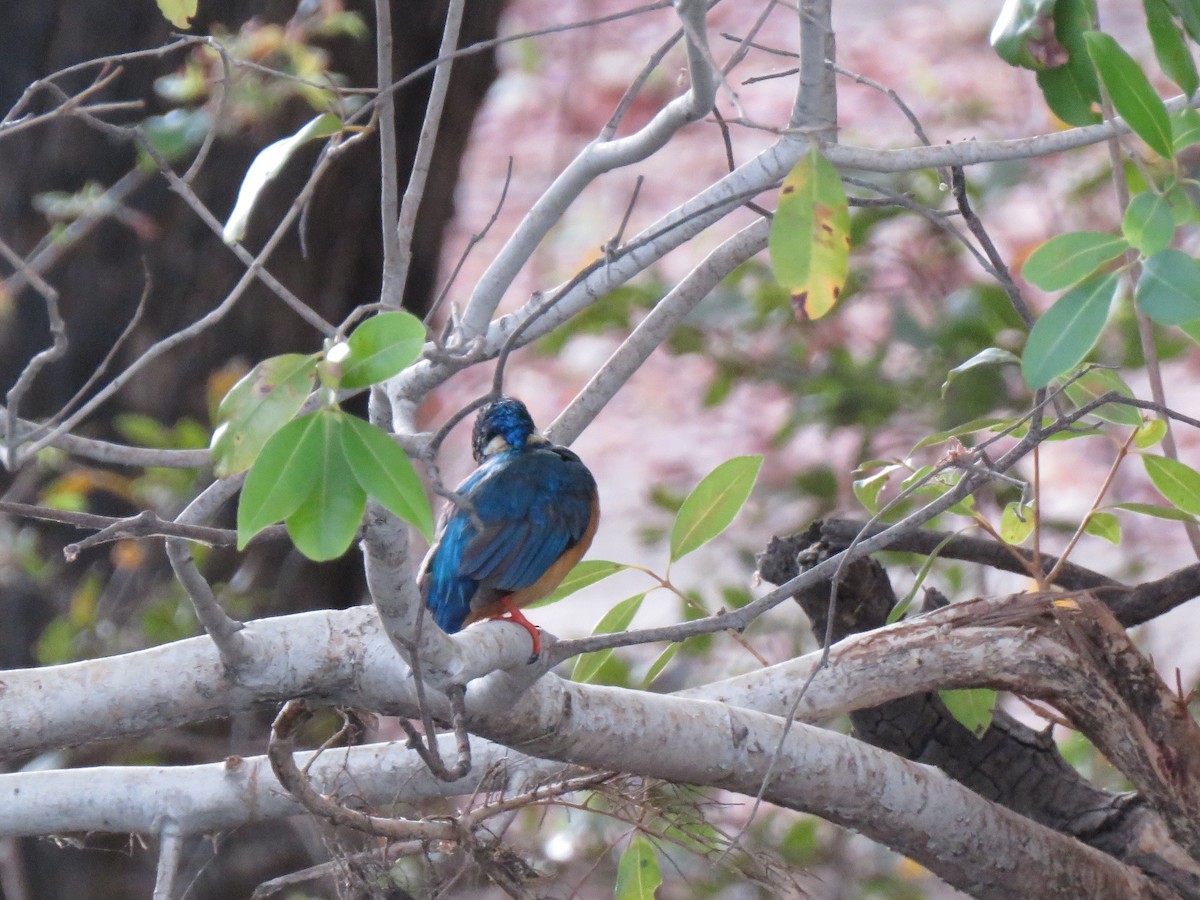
[(525, 518)]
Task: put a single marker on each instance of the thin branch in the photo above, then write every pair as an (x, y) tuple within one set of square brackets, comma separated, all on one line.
[(280, 751), (405, 227), (170, 852), (392, 289), (58, 335)]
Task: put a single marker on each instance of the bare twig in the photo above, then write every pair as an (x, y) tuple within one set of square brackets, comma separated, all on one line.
[(279, 751), (170, 852), (405, 227)]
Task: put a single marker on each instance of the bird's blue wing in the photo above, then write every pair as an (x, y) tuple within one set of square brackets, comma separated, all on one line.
[(526, 508), (532, 506)]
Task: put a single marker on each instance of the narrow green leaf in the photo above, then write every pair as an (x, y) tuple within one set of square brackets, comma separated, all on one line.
[(1067, 259), (1150, 434), (585, 573), (1097, 382), (281, 477), (1176, 481), (1149, 223), (1188, 12), (325, 523), (970, 427), (1067, 331), (178, 12), (1170, 47), (1016, 522), (898, 611), (1131, 93), (384, 471), (1024, 35), (1192, 330), (267, 397), (810, 236), (1168, 290), (990, 356), (616, 619), (381, 347), (1185, 128), (1157, 512), (1072, 91), (638, 874), (711, 506), (659, 664), (1104, 525), (269, 163), (972, 708)]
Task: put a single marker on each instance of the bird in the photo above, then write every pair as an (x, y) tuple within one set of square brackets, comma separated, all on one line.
[(521, 522)]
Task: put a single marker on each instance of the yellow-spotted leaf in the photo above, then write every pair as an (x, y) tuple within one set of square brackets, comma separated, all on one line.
[(258, 406), (810, 236)]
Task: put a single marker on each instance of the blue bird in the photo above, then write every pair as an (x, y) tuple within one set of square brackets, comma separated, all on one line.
[(528, 515)]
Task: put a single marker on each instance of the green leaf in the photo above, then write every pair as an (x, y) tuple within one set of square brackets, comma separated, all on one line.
[(1062, 337), (1104, 525), (1132, 96), (1192, 330), (990, 356), (1024, 35), (1185, 128), (810, 236), (972, 708), (1095, 383), (281, 478), (384, 471), (1170, 47), (381, 347), (1157, 512), (1178, 482), (616, 619), (325, 523), (1149, 223), (711, 506), (1016, 522), (585, 573), (1067, 259), (1150, 434), (1188, 12), (266, 398), (898, 611), (970, 427), (269, 163), (178, 12), (659, 664), (1072, 91), (638, 874), (867, 489), (1168, 290)]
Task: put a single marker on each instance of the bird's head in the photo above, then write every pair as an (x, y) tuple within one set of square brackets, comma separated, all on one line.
[(503, 424)]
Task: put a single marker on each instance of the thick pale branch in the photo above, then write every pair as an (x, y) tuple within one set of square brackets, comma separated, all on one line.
[(594, 160)]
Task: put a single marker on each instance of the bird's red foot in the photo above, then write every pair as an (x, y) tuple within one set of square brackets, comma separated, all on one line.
[(514, 615)]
